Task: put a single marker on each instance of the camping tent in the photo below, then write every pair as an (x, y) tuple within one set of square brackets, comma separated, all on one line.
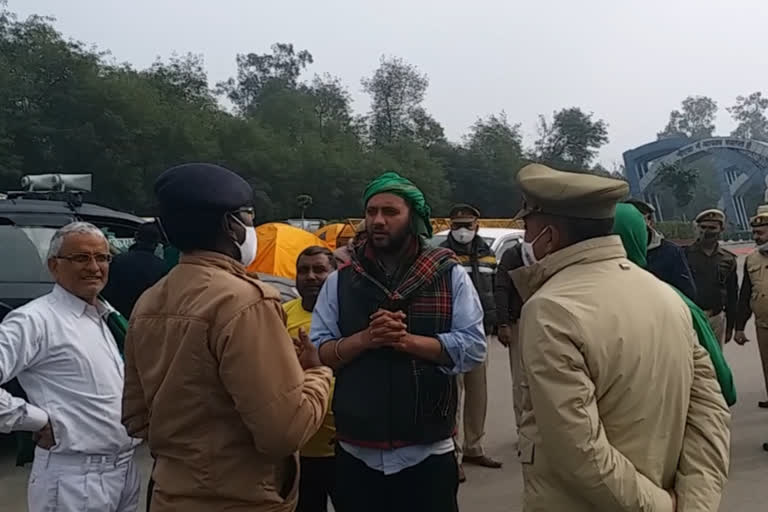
[(332, 233), (279, 248)]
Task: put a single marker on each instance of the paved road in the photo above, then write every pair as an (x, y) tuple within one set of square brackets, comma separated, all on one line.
[(499, 490)]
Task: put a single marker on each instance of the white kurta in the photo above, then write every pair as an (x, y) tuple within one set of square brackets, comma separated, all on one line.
[(64, 356)]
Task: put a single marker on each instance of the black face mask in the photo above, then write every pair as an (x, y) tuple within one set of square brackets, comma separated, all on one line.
[(710, 235)]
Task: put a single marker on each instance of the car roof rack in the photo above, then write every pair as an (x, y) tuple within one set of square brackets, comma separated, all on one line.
[(67, 188), (73, 198)]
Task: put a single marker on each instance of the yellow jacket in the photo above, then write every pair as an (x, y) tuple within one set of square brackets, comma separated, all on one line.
[(322, 443), (621, 403)]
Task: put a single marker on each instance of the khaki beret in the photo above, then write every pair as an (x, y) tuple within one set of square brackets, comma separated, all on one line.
[(713, 215), (464, 213), (761, 219), (569, 194)]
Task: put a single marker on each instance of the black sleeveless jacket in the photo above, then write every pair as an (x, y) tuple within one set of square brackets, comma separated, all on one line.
[(384, 398)]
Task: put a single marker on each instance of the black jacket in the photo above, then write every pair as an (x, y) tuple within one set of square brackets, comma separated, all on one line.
[(668, 263), (131, 274), (386, 398), (508, 300), (480, 263)]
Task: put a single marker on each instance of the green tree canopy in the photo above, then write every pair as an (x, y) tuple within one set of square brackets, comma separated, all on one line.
[(290, 131), (749, 112), (695, 119), (571, 140)]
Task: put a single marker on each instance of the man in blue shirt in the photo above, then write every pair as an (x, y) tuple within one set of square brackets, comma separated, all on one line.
[(397, 324)]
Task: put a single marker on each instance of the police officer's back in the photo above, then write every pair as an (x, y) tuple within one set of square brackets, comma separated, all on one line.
[(133, 272)]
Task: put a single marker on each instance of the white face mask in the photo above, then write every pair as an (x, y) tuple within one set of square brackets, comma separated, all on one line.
[(527, 251), (463, 235), (250, 245), (763, 248)]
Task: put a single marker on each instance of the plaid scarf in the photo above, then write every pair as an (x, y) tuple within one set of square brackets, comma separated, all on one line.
[(417, 285)]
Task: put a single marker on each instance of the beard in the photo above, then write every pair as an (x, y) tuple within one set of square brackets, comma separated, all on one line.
[(394, 242)]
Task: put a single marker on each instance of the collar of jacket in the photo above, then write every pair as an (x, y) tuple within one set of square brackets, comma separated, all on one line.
[(655, 240), (528, 280), (212, 259), (698, 247), (477, 247)]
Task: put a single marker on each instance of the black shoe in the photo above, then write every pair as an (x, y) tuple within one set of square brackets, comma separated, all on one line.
[(765, 446), (763, 404)]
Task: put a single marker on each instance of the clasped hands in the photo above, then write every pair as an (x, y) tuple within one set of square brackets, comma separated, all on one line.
[(388, 329)]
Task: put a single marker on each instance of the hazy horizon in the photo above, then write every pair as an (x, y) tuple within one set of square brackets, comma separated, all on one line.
[(628, 64)]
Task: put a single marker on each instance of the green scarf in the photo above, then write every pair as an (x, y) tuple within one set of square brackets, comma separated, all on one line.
[(393, 183), (118, 326), (171, 256), (630, 226)]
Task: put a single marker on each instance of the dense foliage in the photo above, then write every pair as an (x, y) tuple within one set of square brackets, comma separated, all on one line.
[(68, 108)]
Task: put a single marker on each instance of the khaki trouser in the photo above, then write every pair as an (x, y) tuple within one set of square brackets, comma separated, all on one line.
[(717, 322), (762, 345), (516, 371), (472, 409)]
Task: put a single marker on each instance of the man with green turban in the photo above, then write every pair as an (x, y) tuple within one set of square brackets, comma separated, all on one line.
[(630, 225), (393, 183), (397, 324)]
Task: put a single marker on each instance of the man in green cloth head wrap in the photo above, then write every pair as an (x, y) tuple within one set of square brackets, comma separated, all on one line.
[(397, 324), (393, 183), (630, 225)]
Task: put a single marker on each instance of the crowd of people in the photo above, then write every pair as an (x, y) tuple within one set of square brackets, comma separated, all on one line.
[(369, 390)]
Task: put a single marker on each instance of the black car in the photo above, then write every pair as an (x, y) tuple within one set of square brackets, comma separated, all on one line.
[(27, 223)]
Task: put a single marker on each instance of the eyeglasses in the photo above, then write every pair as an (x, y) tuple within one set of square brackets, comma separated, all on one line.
[(85, 258), (246, 209)]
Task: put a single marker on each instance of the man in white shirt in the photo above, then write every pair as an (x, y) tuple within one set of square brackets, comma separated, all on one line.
[(64, 356)]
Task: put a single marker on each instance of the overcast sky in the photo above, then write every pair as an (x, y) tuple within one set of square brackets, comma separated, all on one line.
[(629, 62)]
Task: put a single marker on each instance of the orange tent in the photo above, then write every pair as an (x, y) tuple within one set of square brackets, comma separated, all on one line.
[(332, 233), (279, 248)]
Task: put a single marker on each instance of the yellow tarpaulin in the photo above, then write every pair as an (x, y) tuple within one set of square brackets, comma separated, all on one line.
[(332, 233), (279, 247)]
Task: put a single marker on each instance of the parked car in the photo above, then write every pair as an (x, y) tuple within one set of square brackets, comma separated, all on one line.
[(27, 223), (499, 239)]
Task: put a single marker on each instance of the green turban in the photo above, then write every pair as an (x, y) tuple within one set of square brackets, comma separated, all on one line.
[(393, 183), (630, 225)]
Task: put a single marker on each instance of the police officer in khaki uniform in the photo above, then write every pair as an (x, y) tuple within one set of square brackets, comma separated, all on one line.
[(754, 292), (714, 271), (478, 259), (621, 412)]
